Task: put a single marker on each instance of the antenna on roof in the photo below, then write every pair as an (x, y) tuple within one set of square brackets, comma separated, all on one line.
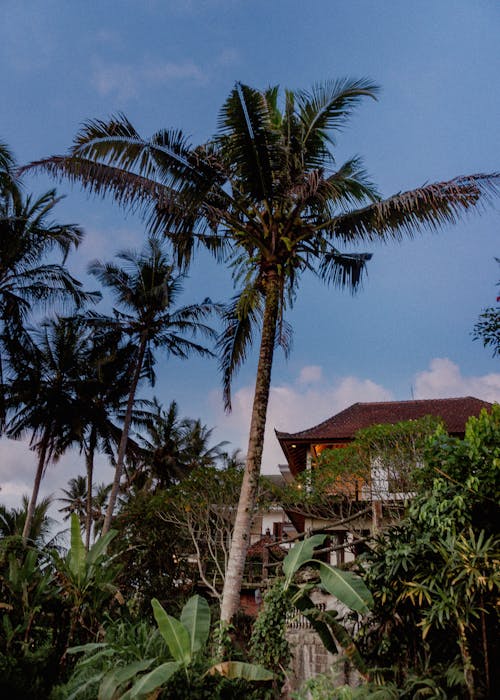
[(411, 393)]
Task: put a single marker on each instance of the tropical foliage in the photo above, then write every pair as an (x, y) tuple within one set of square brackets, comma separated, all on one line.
[(266, 196), (42, 397), (187, 673), (202, 507), (28, 281), (47, 601), (434, 576)]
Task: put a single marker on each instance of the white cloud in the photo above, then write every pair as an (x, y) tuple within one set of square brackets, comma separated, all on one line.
[(125, 81), (444, 378), (310, 374), (18, 461)]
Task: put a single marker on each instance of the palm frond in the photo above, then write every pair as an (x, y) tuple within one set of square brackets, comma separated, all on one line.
[(128, 189), (244, 121), (163, 158), (344, 269), (407, 213), (240, 321), (326, 109), (350, 184)]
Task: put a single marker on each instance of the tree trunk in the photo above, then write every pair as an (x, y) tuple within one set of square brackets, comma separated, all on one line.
[(241, 533), (90, 477), (120, 459), (466, 660), (36, 487)]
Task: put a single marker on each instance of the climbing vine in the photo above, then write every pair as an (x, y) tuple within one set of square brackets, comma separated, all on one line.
[(268, 645)]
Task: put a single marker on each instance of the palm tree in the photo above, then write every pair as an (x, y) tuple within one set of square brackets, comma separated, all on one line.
[(75, 499), (99, 506), (267, 197), (101, 391), (41, 397), (197, 449), (27, 237), (173, 447), (146, 289), (7, 169), (162, 441), (12, 520)]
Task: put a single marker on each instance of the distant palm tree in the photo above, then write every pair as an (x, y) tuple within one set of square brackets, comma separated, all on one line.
[(266, 195), (161, 439), (197, 449), (12, 520), (42, 399), (172, 447), (146, 289), (102, 390), (75, 498), (99, 506)]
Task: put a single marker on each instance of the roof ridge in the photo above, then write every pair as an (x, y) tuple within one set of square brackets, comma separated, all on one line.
[(446, 398), (324, 424)]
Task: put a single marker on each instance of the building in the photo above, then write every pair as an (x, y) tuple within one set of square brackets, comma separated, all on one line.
[(302, 449)]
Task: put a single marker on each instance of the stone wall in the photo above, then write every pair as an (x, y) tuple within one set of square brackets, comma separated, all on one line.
[(310, 657)]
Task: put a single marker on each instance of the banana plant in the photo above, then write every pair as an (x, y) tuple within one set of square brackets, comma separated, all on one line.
[(346, 586), (186, 640), (87, 578)]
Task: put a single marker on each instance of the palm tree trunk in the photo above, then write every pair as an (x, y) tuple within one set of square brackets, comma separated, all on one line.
[(90, 477), (120, 459), (36, 487), (241, 533)]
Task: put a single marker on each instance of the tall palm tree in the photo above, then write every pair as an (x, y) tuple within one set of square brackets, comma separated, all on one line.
[(27, 236), (265, 195), (42, 394), (146, 288)]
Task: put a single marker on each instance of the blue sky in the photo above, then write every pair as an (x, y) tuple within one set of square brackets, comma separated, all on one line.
[(172, 64)]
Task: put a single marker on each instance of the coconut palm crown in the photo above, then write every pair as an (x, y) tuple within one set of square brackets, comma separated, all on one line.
[(267, 197)]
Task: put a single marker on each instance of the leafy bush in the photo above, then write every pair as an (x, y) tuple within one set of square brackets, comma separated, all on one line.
[(171, 662), (33, 620), (435, 576)]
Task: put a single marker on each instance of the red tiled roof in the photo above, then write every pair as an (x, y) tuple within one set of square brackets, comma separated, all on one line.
[(343, 425), (256, 550)]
